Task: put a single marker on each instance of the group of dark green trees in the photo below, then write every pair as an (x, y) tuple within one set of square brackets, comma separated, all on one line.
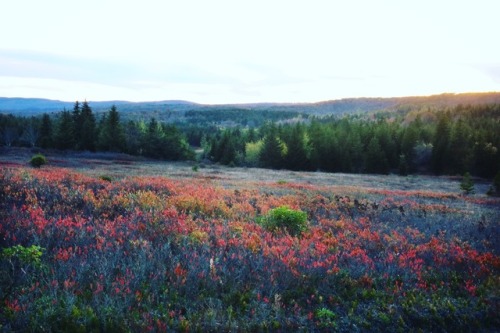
[(451, 141), (81, 129), (454, 141)]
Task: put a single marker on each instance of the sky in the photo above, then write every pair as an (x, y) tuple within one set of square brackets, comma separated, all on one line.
[(234, 51)]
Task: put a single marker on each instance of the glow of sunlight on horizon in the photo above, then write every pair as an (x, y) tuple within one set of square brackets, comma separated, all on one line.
[(235, 52)]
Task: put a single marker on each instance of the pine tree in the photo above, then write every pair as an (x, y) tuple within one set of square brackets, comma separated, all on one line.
[(46, 132), (174, 144), (296, 157), (133, 137), (460, 149), (76, 125), (385, 134), (355, 152), (112, 137), (467, 185), (403, 165), (87, 138), (272, 150), (440, 145), (375, 161), (151, 142), (408, 141), (64, 134)]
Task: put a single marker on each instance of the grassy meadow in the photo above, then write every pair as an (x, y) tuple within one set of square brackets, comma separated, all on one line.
[(111, 243)]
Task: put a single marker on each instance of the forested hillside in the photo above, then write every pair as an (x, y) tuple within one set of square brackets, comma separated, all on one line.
[(450, 141), (415, 139), (81, 129), (179, 111)]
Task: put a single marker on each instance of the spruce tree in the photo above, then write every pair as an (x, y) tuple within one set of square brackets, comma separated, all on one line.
[(296, 157), (76, 125), (467, 185), (46, 132), (87, 138), (460, 148), (64, 137), (112, 137), (151, 143), (375, 161), (440, 145), (271, 154)]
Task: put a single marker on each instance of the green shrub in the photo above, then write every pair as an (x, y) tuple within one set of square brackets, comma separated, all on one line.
[(285, 219), (106, 178), (26, 255), (38, 160), (326, 318), (467, 185)]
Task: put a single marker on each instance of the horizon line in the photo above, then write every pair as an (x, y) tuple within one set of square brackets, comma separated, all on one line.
[(246, 103)]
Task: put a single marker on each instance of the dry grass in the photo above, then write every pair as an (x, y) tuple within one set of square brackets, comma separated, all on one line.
[(122, 165)]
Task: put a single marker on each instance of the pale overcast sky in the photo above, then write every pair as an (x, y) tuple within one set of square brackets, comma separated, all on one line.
[(231, 51)]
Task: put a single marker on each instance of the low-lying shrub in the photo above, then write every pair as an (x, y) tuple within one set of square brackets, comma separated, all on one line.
[(285, 219), (38, 160)]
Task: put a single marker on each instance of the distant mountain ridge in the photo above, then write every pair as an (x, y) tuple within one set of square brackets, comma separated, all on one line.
[(36, 106), (33, 106)]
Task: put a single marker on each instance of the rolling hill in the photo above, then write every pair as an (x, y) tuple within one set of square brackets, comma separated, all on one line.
[(36, 106)]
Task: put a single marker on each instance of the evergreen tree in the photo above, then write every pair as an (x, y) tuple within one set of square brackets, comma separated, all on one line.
[(9, 129), (297, 155), (151, 143), (174, 145), (467, 185), (403, 165), (224, 148), (317, 145), (87, 138), (272, 150), (76, 125), (133, 137), (460, 151), (376, 162), (386, 135), (64, 134), (227, 149), (409, 141), (112, 137), (486, 157), (46, 140), (355, 152), (440, 144)]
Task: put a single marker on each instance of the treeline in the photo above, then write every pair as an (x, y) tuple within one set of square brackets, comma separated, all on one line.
[(451, 141), (454, 141), (242, 117), (80, 129)]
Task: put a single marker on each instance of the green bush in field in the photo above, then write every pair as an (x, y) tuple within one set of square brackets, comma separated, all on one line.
[(286, 219), (25, 255), (38, 160), (106, 178), (467, 185)]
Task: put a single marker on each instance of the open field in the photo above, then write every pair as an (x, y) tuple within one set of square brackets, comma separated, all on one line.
[(140, 245)]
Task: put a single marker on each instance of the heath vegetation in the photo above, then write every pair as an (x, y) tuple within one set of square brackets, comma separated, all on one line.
[(165, 248)]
